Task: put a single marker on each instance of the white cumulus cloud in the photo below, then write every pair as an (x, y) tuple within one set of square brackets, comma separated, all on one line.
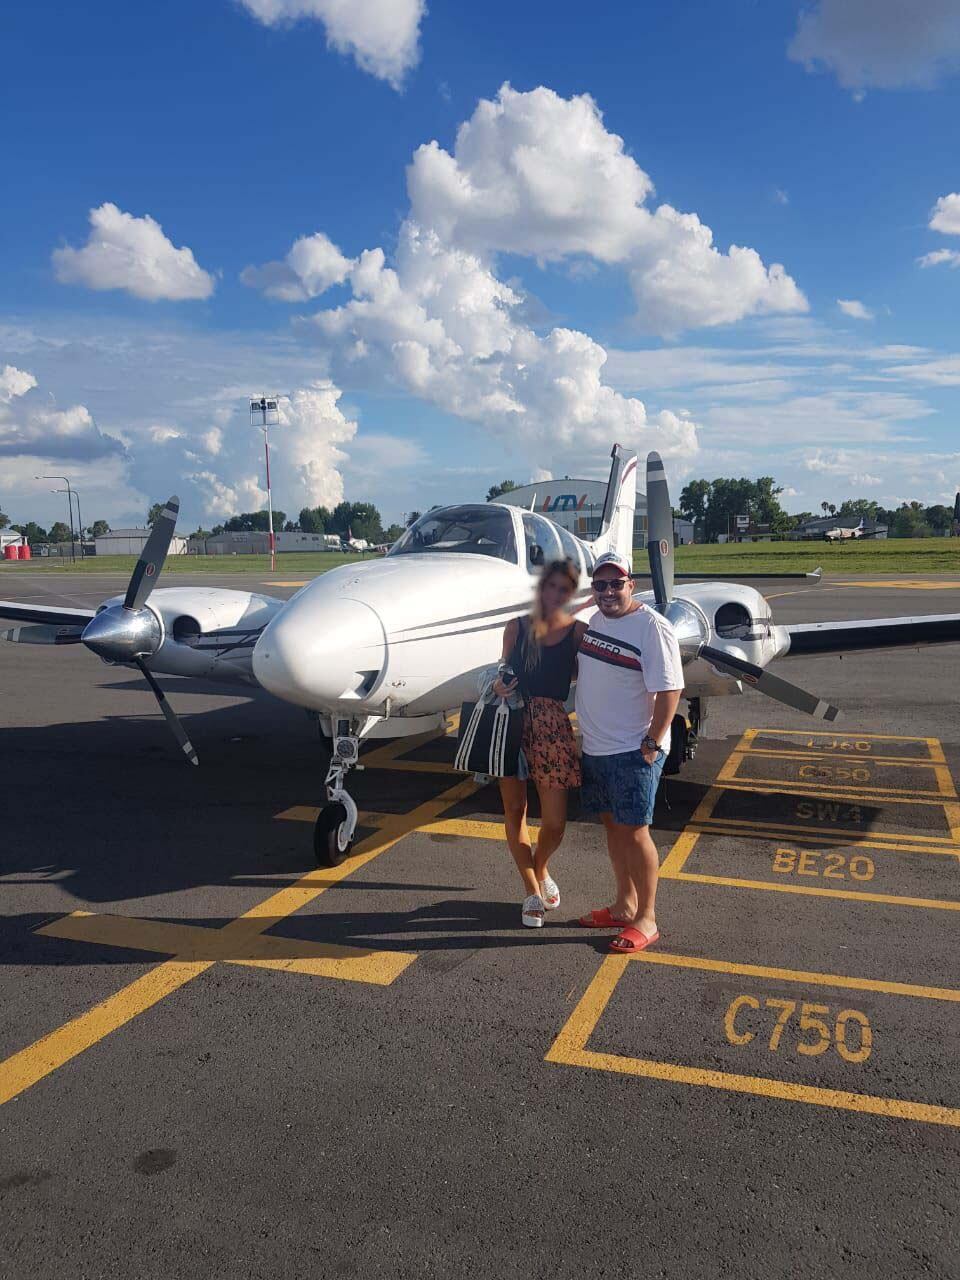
[(440, 325), (126, 252), (381, 35), (14, 383), (856, 310), (539, 175), (940, 257), (313, 264), (536, 175), (883, 44), (36, 428), (945, 215), (306, 457)]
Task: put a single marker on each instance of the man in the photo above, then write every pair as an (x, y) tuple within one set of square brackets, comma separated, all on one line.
[(628, 687)]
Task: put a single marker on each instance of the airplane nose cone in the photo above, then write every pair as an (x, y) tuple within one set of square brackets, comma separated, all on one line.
[(321, 655), (120, 635)]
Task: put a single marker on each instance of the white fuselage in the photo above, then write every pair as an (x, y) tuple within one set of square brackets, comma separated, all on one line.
[(409, 635)]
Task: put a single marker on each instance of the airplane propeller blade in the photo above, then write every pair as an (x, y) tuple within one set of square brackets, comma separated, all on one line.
[(147, 569), (171, 717), (766, 682), (659, 530)]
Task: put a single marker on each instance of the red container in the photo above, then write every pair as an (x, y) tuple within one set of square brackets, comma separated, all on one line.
[(10, 552), (24, 550)]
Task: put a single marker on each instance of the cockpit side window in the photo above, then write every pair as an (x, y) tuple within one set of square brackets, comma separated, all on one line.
[(571, 547), (470, 530)]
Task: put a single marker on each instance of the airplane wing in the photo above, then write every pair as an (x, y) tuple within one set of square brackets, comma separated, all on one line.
[(42, 624), (56, 616), (872, 633)]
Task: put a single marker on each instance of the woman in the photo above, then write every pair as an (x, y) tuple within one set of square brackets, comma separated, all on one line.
[(540, 656)]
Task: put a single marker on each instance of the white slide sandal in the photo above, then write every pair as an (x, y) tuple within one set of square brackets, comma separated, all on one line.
[(532, 911), (550, 893)]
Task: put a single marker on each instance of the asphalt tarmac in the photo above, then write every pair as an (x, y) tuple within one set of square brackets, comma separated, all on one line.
[(238, 1065)]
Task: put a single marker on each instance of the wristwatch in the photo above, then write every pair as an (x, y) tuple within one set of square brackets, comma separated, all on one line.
[(652, 744)]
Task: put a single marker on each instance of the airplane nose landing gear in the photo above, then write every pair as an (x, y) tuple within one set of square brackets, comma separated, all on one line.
[(337, 821)]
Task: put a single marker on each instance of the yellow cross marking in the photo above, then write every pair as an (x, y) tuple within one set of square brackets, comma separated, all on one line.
[(191, 942), (239, 941)]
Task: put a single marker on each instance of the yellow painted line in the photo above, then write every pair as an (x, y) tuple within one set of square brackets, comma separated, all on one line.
[(682, 848), (904, 585), (290, 899), (420, 766), (729, 774), (802, 755), (310, 813), (875, 837), (847, 840), (844, 981), (813, 891), (751, 734), (471, 829), (390, 751), (281, 582), (569, 1048), (38, 1060), (849, 796), (191, 942)]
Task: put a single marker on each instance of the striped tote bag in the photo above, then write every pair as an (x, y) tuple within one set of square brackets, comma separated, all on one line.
[(489, 739)]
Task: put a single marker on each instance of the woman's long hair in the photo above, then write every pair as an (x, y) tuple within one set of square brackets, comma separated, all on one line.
[(537, 624)]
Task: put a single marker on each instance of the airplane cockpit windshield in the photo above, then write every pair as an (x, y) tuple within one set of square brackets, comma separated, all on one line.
[(474, 531)]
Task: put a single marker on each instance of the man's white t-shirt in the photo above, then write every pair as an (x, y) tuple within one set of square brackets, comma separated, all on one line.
[(623, 663)]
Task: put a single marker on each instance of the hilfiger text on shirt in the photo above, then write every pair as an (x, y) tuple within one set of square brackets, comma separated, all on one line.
[(616, 653)]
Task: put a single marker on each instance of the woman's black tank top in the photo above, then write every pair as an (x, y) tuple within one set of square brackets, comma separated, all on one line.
[(551, 677)]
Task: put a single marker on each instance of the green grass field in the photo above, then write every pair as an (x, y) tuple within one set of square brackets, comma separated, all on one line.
[(885, 556), (882, 555)]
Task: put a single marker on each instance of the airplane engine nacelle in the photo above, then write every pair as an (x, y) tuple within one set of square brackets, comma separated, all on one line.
[(208, 631)]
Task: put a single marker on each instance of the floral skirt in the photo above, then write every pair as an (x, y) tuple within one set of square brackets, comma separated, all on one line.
[(548, 744)]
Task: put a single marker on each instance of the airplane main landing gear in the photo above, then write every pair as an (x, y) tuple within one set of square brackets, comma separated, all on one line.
[(337, 821)]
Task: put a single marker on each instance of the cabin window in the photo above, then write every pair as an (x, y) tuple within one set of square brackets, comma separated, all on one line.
[(475, 530)]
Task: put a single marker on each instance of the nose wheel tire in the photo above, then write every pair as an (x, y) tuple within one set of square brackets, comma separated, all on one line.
[(329, 842)]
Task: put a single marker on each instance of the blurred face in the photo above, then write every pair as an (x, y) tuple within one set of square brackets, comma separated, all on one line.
[(611, 590), (556, 593)]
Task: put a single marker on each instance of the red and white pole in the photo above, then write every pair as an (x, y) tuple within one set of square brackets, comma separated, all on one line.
[(273, 544)]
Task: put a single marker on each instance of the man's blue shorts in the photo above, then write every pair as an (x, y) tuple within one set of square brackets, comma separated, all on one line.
[(623, 785)]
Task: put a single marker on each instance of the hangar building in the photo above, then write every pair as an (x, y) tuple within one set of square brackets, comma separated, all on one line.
[(577, 505), (130, 542)]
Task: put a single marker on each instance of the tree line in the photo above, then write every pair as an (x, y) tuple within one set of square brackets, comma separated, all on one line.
[(58, 531), (713, 506), (359, 520)]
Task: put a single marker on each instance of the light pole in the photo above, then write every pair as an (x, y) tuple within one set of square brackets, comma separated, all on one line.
[(264, 414), (79, 517), (73, 549)]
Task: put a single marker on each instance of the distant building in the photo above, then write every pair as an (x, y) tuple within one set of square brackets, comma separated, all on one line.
[(246, 543), (815, 529), (130, 542), (577, 505), (256, 542)]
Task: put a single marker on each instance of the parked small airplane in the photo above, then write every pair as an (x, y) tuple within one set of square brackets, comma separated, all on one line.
[(389, 645), (839, 533)]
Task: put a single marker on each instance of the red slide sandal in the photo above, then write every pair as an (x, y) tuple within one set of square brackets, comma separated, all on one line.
[(632, 940), (601, 919)]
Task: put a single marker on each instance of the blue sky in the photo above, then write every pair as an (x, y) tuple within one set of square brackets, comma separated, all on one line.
[(509, 301)]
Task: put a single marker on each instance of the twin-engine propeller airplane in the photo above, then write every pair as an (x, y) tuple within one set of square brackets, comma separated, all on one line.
[(389, 646)]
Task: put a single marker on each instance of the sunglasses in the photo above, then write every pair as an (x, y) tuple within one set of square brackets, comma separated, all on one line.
[(600, 585)]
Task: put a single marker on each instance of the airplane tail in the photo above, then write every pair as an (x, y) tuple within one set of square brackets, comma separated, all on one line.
[(616, 523)]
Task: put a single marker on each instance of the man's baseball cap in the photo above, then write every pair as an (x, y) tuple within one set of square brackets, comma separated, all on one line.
[(612, 560)]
